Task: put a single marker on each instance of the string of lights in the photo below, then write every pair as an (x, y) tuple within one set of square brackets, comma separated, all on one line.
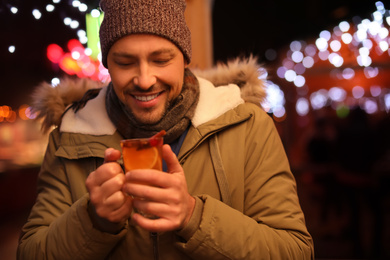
[(343, 67), (73, 15), (350, 47)]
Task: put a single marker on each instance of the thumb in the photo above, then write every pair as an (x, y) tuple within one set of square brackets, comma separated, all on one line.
[(170, 158), (111, 155)]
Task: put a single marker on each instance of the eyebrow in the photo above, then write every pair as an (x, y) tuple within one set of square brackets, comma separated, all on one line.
[(164, 51), (169, 51)]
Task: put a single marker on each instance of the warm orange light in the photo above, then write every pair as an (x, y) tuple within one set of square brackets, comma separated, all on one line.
[(22, 112), (12, 116), (77, 62), (5, 111), (69, 65)]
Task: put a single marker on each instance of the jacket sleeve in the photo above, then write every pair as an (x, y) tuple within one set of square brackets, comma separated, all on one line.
[(58, 227), (271, 224)]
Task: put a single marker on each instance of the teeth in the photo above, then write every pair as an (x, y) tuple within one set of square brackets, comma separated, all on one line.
[(146, 98)]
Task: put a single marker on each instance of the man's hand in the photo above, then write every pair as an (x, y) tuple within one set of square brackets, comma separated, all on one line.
[(161, 194), (110, 206)]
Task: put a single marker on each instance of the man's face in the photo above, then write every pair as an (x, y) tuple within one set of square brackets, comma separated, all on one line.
[(147, 73)]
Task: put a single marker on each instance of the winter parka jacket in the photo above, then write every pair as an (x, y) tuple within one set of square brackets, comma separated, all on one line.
[(235, 166)]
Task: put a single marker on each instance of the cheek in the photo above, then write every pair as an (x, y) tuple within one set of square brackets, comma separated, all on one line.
[(119, 81), (119, 88), (175, 90), (176, 85)]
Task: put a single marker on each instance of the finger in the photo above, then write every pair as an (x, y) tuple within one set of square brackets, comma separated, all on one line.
[(148, 192), (112, 185), (111, 155), (171, 159), (120, 214), (106, 172), (148, 178), (153, 225), (152, 208), (114, 201)]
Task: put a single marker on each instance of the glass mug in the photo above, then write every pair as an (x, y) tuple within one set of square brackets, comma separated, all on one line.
[(142, 153)]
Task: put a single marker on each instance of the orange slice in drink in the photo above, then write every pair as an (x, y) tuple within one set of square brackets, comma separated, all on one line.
[(146, 158)]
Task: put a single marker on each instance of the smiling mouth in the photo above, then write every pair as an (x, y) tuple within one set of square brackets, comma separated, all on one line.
[(146, 98)]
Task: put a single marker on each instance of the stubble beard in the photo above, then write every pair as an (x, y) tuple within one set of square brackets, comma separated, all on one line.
[(148, 120)]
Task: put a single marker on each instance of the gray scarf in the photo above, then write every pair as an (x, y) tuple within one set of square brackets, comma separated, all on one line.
[(174, 122)]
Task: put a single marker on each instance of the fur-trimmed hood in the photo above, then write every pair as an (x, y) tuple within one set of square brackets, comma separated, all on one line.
[(50, 102)]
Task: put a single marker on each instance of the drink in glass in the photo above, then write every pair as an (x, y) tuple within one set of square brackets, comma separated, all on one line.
[(143, 153)]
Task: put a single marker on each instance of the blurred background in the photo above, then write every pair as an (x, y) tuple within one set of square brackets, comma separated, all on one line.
[(328, 87)]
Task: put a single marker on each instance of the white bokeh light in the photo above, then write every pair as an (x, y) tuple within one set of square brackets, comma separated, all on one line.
[(67, 21), (358, 92), (308, 62), (302, 106), (335, 45), (55, 82), (322, 44), (337, 94), (344, 26), (281, 71), (336, 59), (50, 8), (319, 99), (295, 46), (279, 112), (325, 35), (12, 48), (274, 99), (95, 13), (74, 24), (347, 38), (386, 100), (83, 8), (14, 9), (370, 106), (290, 75), (37, 14), (375, 91), (299, 81), (310, 50), (348, 73), (297, 56), (384, 45)]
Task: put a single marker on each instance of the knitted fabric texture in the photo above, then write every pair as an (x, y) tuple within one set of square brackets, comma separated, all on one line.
[(164, 18)]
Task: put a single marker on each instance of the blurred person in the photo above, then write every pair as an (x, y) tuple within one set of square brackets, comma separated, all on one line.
[(227, 191)]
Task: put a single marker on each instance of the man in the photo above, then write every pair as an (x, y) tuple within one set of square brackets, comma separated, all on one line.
[(227, 191)]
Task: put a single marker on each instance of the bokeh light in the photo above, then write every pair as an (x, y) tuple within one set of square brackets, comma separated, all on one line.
[(349, 55)]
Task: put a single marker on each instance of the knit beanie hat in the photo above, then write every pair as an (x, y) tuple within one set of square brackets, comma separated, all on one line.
[(163, 18)]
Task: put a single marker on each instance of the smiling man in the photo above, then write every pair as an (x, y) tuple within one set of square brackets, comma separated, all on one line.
[(226, 191), (147, 74)]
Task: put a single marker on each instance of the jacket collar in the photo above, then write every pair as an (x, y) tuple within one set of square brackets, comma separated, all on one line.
[(93, 118), (49, 103)]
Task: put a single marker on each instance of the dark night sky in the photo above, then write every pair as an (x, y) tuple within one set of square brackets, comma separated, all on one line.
[(239, 28), (253, 26)]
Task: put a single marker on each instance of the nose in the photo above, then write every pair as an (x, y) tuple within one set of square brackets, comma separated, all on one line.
[(145, 77)]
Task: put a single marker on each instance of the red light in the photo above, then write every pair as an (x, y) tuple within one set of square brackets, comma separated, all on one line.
[(54, 53), (74, 44)]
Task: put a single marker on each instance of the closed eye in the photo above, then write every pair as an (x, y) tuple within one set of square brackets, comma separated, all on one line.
[(162, 61)]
